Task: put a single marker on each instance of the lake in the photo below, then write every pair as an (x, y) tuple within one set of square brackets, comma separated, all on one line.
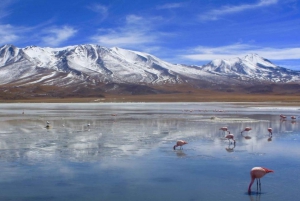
[(124, 151)]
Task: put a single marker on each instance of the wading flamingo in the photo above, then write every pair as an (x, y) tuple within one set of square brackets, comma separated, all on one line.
[(257, 173), (246, 129), (230, 136), (224, 129), (179, 143), (282, 117), (270, 131), (293, 118)]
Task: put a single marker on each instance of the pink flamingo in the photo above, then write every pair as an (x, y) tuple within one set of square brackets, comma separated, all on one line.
[(230, 136), (257, 173), (282, 117), (179, 143), (270, 130), (224, 129), (293, 118), (246, 129)]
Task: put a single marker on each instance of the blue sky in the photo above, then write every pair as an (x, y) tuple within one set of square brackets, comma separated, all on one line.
[(186, 31)]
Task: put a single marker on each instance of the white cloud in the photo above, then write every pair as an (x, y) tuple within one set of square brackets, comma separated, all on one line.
[(215, 13), (124, 38), (4, 8), (8, 34), (56, 36), (136, 31), (239, 50), (99, 9), (133, 19), (169, 6)]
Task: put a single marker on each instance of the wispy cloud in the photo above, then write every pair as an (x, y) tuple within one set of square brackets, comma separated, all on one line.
[(8, 34), (100, 9), (57, 35), (4, 8), (169, 6), (136, 31), (216, 13), (203, 53)]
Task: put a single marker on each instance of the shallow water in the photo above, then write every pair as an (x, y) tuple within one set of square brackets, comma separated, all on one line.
[(127, 152)]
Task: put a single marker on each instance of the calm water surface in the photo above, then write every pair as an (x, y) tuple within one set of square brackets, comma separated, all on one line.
[(126, 152)]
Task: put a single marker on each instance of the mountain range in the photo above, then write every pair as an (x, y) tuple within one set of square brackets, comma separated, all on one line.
[(84, 68)]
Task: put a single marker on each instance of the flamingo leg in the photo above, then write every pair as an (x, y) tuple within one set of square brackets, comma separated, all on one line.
[(259, 185)]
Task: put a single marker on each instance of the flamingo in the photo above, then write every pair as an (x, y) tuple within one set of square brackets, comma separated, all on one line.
[(282, 117), (179, 143), (230, 136), (270, 130), (224, 129), (293, 118), (257, 173), (246, 129)]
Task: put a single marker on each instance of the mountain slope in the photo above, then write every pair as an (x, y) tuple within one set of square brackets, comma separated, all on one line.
[(251, 67), (93, 65)]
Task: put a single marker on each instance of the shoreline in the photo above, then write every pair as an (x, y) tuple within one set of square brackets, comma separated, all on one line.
[(289, 100)]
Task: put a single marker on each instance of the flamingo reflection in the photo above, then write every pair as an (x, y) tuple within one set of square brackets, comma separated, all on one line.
[(257, 197), (270, 138), (180, 153), (230, 148)]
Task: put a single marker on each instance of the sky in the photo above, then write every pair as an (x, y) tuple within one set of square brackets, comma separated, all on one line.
[(190, 32)]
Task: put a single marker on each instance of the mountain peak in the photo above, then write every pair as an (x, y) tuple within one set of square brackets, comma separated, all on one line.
[(91, 63), (259, 61), (251, 55)]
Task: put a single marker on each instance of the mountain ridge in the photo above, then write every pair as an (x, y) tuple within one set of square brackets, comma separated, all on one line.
[(119, 70)]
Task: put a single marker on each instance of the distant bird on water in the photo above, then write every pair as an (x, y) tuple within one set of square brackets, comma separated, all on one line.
[(48, 124), (230, 136), (224, 129), (270, 131), (246, 129), (282, 117), (179, 143), (293, 117), (257, 173)]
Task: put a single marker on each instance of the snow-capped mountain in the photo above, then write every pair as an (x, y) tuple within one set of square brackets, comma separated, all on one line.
[(94, 64), (251, 67)]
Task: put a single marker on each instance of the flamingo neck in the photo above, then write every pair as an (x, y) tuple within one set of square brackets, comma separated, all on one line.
[(249, 188)]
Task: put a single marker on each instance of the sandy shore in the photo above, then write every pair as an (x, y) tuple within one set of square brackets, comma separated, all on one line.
[(292, 100)]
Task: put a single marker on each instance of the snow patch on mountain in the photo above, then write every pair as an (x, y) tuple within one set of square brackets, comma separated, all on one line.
[(96, 64)]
